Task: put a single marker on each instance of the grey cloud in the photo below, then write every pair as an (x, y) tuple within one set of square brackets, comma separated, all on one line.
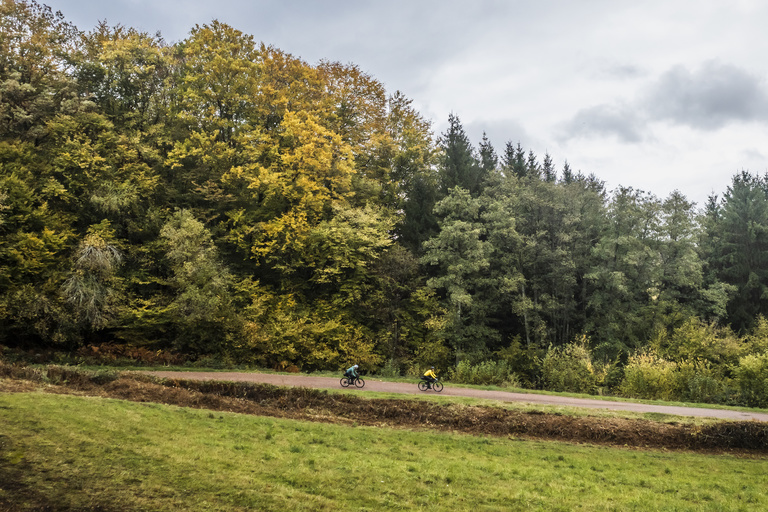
[(621, 72), (709, 97), (616, 120)]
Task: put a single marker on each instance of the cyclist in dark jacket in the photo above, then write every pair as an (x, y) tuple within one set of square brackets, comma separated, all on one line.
[(351, 373)]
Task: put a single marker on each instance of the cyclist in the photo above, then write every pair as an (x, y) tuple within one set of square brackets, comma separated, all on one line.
[(351, 373), (430, 377)]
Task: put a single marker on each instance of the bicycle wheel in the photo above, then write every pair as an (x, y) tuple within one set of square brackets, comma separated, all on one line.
[(344, 382), (422, 386), (359, 382), (437, 386)]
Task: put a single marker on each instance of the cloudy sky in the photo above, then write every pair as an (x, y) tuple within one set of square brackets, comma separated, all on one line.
[(657, 95)]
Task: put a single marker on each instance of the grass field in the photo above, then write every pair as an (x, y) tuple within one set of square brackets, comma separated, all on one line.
[(76, 453)]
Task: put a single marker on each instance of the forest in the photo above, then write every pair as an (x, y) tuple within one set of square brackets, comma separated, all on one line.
[(220, 200)]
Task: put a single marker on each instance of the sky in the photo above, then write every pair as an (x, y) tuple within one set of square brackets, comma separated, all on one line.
[(657, 95)]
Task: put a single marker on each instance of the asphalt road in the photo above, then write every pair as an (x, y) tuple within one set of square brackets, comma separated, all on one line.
[(504, 396)]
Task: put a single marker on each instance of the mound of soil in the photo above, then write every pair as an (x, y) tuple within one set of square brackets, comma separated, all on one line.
[(742, 437)]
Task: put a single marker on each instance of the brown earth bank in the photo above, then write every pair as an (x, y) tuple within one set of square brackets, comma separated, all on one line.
[(737, 437)]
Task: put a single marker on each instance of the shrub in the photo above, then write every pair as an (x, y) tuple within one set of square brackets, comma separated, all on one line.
[(756, 342), (390, 369), (649, 376), (699, 382), (524, 361), (569, 368), (751, 377), (698, 340), (484, 373)]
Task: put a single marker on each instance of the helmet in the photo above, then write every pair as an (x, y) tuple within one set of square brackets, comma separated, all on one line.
[(355, 366), (431, 367)]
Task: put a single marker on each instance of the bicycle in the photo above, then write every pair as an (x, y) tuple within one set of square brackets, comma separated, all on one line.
[(437, 386), (357, 381)]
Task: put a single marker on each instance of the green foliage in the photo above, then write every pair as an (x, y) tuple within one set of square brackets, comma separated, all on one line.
[(390, 369), (696, 340), (524, 361), (200, 309), (497, 373), (647, 375), (92, 287), (756, 340), (701, 382), (751, 377), (459, 166), (569, 368), (460, 252)]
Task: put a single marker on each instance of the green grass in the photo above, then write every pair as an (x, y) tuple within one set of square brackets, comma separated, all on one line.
[(81, 453)]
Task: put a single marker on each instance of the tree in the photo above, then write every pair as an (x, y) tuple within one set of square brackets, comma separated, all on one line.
[(458, 166), (489, 160), (36, 51), (93, 287), (513, 161), (548, 169), (419, 221), (306, 174), (742, 257), (200, 311), (355, 107), (125, 72), (626, 277), (461, 254), (216, 74)]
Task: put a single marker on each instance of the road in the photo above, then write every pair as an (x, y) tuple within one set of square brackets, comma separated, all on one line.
[(504, 396)]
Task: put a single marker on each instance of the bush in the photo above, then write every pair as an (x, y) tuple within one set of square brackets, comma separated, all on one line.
[(697, 340), (751, 377), (699, 382), (390, 369), (485, 373), (569, 368), (649, 376), (524, 361)]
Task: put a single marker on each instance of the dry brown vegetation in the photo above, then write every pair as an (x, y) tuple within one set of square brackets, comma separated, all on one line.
[(742, 437)]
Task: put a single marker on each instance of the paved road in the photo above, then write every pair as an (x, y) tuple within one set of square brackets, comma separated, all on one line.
[(505, 396)]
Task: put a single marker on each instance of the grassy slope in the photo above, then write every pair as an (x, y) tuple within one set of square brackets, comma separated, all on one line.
[(74, 453)]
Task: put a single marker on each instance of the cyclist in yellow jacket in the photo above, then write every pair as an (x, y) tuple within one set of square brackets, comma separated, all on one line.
[(430, 377)]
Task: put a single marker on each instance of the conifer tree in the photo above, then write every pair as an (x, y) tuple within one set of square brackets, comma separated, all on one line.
[(459, 167), (489, 160)]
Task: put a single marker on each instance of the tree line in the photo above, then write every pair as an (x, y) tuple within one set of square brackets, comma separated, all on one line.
[(218, 197)]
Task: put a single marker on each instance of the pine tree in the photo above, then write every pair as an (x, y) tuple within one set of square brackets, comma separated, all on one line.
[(459, 167), (742, 257), (489, 160)]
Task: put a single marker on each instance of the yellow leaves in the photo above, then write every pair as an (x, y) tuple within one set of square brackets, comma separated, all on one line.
[(200, 147), (219, 80), (282, 235), (32, 253), (287, 84), (306, 173), (317, 166)]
